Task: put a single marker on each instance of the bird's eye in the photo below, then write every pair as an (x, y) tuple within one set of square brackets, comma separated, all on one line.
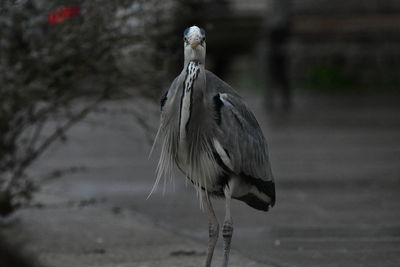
[(185, 39)]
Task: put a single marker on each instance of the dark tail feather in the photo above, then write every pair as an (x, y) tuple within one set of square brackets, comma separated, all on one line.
[(265, 187)]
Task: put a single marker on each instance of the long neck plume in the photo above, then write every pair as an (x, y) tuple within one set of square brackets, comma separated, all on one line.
[(191, 77)]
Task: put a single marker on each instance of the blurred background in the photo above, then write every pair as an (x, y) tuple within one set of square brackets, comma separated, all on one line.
[(80, 83)]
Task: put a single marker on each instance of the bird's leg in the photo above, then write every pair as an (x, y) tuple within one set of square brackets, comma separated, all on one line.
[(227, 229), (213, 228)]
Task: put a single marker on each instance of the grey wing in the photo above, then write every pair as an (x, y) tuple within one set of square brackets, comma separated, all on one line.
[(242, 149), (241, 138)]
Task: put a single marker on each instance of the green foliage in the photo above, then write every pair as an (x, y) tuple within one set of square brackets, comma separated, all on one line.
[(346, 66), (328, 78)]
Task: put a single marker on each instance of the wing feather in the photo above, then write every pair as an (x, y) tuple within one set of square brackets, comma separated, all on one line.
[(239, 133)]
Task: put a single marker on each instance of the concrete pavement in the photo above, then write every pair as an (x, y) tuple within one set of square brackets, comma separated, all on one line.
[(64, 234), (336, 162)]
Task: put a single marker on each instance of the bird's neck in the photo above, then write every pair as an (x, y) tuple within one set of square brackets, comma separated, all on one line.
[(191, 100), (197, 62), (194, 77), (194, 55)]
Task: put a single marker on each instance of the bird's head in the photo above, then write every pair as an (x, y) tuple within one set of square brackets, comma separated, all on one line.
[(194, 43)]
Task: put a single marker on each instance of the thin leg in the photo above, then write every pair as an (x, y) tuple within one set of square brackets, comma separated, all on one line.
[(227, 229), (213, 228)]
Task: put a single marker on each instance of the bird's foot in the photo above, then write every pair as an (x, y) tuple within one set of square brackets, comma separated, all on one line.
[(213, 232), (213, 228), (227, 232)]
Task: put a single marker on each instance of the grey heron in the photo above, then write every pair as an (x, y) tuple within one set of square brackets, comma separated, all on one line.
[(207, 130)]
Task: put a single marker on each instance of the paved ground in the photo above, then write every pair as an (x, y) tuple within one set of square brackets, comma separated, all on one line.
[(336, 162), (65, 236)]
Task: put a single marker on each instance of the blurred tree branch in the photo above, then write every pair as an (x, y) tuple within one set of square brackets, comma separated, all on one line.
[(53, 75)]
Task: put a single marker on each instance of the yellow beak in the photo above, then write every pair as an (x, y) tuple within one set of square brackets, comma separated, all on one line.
[(194, 44)]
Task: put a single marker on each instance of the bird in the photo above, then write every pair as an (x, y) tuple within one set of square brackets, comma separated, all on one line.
[(207, 131)]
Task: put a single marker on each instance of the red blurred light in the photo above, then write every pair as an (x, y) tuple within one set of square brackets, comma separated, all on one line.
[(63, 13)]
